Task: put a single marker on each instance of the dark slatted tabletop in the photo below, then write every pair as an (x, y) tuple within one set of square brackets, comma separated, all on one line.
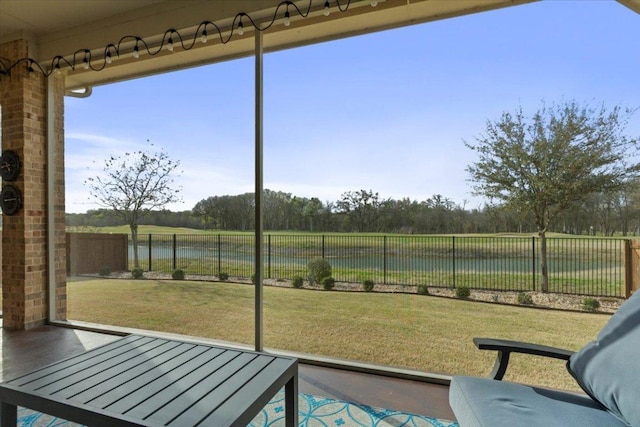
[(144, 381)]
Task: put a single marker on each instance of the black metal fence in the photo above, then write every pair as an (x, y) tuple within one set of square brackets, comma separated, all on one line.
[(585, 266)]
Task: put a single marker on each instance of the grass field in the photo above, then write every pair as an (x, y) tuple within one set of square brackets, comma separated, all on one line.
[(425, 333), (155, 229)]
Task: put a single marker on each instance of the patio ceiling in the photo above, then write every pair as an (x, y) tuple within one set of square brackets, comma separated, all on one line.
[(63, 27)]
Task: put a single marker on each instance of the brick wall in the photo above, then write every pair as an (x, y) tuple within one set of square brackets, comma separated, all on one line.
[(23, 97)]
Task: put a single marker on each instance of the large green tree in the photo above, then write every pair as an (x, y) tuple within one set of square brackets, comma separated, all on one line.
[(135, 184), (363, 209), (550, 161), (311, 210)]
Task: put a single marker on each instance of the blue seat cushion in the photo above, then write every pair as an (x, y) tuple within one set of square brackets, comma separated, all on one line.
[(483, 402), (607, 368)]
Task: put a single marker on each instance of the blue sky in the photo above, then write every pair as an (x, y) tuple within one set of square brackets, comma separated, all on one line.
[(387, 112)]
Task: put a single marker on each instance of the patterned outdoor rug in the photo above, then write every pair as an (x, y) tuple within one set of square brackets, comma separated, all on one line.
[(314, 412)]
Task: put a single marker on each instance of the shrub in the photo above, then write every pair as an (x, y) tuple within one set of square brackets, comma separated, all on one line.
[(298, 281), (137, 273), (318, 269), (177, 274), (105, 270), (423, 290), (223, 276), (590, 304), (463, 292), (367, 285), (328, 283), (525, 298)]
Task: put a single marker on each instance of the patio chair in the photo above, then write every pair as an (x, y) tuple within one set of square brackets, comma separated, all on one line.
[(607, 369)]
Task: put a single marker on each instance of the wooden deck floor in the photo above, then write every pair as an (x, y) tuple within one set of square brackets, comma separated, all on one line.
[(24, 351)]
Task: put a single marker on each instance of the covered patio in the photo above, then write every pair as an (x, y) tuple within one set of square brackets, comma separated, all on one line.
[(66, 48), (49, 50)]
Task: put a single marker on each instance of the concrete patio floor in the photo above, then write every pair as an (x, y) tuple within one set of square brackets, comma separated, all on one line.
[(24, 351)]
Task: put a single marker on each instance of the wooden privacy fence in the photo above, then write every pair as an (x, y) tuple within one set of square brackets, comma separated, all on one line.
[(91, 252)]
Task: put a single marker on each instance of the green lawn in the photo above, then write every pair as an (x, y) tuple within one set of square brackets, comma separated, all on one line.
[(157, 229), (420, 332)]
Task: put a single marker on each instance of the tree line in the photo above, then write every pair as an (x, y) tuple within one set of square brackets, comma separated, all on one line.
[(366, 211)]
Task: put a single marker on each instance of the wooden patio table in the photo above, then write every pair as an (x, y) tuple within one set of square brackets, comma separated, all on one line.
[(146, 381)]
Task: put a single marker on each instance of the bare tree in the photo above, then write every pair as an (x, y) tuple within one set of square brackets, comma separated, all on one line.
[(548, 163), (135, 184)]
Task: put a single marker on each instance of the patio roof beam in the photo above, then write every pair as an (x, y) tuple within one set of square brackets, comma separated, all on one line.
[(631, 4), (55, 33)]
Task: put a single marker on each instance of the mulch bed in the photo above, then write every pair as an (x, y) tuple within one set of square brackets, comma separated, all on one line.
[(567, 302)]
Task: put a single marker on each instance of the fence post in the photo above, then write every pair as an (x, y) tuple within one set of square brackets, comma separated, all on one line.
[(269, 256), (174, 252), (453, 255), (323, 246), (219, 255), (533, 262), (384, 263), (149, 251), (630, 262)]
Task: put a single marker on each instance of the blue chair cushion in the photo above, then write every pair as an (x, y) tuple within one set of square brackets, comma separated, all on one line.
[(607, 368), (483, 402)]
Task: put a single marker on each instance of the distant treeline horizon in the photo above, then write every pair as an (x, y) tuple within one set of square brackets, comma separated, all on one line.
[(365, 211)]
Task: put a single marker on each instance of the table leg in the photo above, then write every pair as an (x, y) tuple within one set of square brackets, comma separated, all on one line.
[(8, 415), (291, 402)]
